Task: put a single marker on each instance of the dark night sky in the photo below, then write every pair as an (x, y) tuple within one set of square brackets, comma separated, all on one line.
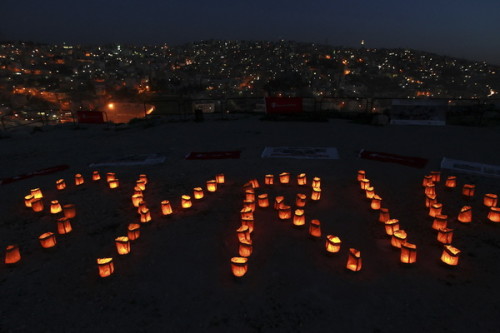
[(462, 28)]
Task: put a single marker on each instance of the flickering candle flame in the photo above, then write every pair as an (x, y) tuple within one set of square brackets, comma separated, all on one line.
[(105, 266)]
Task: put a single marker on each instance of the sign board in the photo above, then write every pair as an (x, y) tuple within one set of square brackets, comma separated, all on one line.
[(284, 105), (418, 112), (471, 167), (90, 117)]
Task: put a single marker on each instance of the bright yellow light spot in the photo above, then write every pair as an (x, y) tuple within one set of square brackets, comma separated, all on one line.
[(111, 106)]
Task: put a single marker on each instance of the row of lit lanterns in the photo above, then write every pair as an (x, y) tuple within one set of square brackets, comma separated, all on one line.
[(123, 243), (239, 264)]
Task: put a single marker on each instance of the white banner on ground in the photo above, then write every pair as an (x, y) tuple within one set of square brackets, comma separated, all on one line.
[(325, 153), (471, 167)]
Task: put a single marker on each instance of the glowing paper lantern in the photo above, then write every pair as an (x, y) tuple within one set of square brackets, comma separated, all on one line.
[(490, 200), (254, 183), (279, 201), (145, 216), (376, 202), (60, 184), (451, 182), (110, 176), (440, 221), (316, 182), (465, 215), (243, 233), (391, 226), (263, 200), (137, 199), (133, 231), (245, 248), (198, 193), (96, 176), (430, 190), (408, 253), (316, 194), (430, 200), (315, 228), (285, 212), (64, 226), (370, 192), (166, 208), (250, 195), (284, 177), (37, 205), (28, 200), (141, 185), (249, 204), (299, 218), (186, 201), (300, 200), (12, 254), (37, 193), (450, 255), (436, 176), (144, 178), (494, 214), (115, 183), (384, 215), (246, 213), (269, 179), (142, 206), (302, 179), (55, 207), (249, 223), (354, 261), (333, 244), (219, 178), (427, 181), (105, 266), (79, 179), (364, 183), (445, 236), (122, 245), (47, 240), (211, 185), (468, 190), (435, 209), (69, 211), (239, 266), (137, 190), (361, 175), (398, 238)]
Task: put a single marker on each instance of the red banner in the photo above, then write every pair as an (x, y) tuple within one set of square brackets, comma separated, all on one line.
[(90, 117), (283, 105)]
